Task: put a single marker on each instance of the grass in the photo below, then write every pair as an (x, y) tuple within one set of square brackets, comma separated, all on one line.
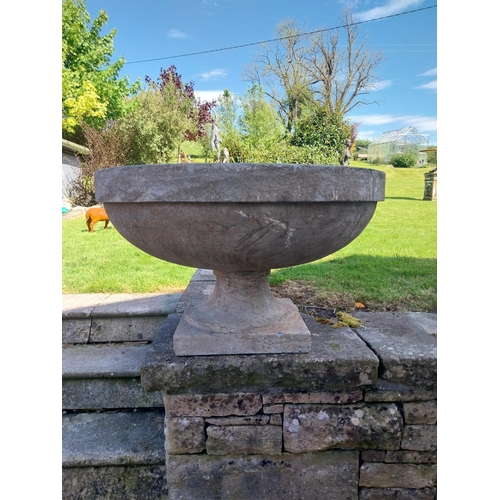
[(392, 265)]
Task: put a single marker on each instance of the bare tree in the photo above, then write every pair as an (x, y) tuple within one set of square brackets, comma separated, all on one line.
[(302, 69), (281, 70), (341, 75)]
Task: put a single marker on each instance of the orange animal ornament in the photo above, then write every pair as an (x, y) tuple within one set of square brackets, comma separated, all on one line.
[(94, 215)]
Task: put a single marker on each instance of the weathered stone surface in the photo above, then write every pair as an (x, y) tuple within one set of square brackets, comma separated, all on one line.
[(412, 457), (386, 391), (407, 353), (81, 305), (275, 419), (184, 435), (211, 405), (250, 420), (244, 440), (136, 305), (397, 475), (93, 361), (273, 408), (338, 360), (107, 393), (76, 331), (420, 413), (312, 476), (308, 428), (333, 397), (373, 455), (195, 291), (397, 494), (117, 438), (125, 329), (133, 482), (419, 437)]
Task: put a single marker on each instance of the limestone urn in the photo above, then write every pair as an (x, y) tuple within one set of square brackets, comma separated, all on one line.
[(241, 221)]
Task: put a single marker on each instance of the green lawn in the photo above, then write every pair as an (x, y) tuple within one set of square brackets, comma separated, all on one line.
[(392, 265)]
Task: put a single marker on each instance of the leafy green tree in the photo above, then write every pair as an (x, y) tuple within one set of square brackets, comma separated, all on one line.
[(259, 122), (163, 116), (324, 130), (92, 91)]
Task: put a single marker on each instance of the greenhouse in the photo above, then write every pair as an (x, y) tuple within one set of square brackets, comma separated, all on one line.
[(404, 140)]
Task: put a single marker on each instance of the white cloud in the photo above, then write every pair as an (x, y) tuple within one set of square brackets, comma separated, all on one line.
[(422, 123), (214, 74), (175, 33), (390, 8), (431, 72), (208, 95), (428, 86)]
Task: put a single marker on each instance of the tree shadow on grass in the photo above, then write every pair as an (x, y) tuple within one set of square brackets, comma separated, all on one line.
[(379, 283)]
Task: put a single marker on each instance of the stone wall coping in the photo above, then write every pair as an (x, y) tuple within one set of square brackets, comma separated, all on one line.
[(116, 305)]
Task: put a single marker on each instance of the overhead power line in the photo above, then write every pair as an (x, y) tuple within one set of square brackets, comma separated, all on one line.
[(281, 38)]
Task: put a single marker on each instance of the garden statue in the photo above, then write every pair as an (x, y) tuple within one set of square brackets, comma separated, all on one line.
[(215, 139), (226, 156), (347, 153)]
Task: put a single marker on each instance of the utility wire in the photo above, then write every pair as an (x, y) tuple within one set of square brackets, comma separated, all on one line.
[(282, 38)]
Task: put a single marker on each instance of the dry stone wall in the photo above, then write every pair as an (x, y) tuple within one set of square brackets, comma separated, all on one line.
[(245, 427)]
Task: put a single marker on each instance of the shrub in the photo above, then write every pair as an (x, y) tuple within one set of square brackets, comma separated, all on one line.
[(404, 160)]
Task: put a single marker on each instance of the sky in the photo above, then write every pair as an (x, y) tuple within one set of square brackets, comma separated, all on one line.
[(155, 34)]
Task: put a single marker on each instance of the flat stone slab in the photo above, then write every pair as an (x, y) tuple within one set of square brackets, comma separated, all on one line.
[(121, 438), (312, 476), (402, 342), (119, 304), (97, 361), (339, 359)]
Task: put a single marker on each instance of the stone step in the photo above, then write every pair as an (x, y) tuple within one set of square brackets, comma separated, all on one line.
[(115, 454), (98, 377), (104, 317)]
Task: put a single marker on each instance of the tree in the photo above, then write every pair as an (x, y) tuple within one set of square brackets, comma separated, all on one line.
[(303, 68), (163, 116), (92, 91), (324, 130), (341, 76), (258, 121), (281, 69)]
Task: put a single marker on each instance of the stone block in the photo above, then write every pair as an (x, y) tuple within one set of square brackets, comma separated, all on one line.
[(133, 482), (249, 420), (397, 494), (244, 440), (184, 435), (273, 408), (373, 455), (419, 438), (312, 476), (420, 413), (76, 330), (107, 393), (386, 391), (308, 428), (332, 397), (412, 457), (407, 352), (377, 475), (211, 405), (339, 360), (112, 439), (275, 419), (125, 329)]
